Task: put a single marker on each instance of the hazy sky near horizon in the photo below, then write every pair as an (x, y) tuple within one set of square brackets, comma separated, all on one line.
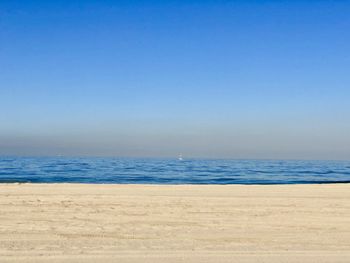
[(233, 79)]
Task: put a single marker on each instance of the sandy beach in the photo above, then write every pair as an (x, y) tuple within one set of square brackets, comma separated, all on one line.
[(184, 223)]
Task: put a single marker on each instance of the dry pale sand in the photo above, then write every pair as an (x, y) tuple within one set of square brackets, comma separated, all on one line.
[(145, 223)]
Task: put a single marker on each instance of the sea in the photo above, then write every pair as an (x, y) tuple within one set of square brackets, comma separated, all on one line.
[(170, 171)]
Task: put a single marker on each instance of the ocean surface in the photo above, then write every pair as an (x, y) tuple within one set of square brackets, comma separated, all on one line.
[(171, 171)]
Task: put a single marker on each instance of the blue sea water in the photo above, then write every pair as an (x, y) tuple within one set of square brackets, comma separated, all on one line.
[(171, 171)]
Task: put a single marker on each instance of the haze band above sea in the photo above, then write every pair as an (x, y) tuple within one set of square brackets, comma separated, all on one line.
[(170, 171)]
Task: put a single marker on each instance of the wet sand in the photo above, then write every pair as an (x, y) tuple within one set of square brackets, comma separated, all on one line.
[(184, 223)]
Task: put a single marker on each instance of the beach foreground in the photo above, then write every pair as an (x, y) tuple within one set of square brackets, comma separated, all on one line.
[(168, 223)]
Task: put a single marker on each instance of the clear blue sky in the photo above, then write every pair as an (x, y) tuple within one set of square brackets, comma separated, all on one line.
[(234, 79)]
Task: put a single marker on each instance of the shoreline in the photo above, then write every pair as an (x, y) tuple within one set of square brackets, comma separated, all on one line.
[(179, 184), (71, 222)]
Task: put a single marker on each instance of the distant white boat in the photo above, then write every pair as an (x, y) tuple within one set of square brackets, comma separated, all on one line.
[(180, 157)]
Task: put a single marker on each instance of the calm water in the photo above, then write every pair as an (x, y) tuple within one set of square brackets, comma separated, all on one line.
[(171, 171)]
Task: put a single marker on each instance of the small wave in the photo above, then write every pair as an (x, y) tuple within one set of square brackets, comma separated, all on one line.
[(155, 171)]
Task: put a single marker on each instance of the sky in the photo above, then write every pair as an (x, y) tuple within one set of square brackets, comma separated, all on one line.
[(211, 79)]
